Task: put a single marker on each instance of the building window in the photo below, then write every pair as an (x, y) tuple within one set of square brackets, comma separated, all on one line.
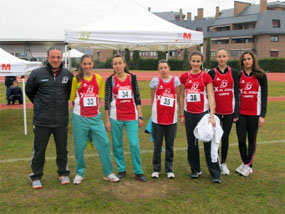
[(236, 53), (242, 40), (199, 29), (213, 53), (274, 38), (273, 53), (222, 41), (276, 23)]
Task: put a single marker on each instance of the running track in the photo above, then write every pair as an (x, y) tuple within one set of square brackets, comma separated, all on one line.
[(279, 77)]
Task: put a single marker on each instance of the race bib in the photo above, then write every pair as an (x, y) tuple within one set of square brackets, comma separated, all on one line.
[(89, 101), (125, 94), (166, 101), (193, 97)]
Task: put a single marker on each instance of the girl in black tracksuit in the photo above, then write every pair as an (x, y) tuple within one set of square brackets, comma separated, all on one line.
[(225, 82), (253, 104)]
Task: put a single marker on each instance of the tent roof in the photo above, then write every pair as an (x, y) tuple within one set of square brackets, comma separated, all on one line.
[(13, 66), (73, 53), (128, 25)]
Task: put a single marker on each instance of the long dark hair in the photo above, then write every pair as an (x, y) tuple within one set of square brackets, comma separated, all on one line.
[(196, 53), (257, 71), (80, 74), (126, 69)]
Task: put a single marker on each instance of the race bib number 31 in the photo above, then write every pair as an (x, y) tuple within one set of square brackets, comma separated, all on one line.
[(89, 101), (124, 94), (166, 101), (193, 97)]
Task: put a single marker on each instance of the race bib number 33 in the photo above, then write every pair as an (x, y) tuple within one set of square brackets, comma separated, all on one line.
[(124, 94), (166, 101), (89, 101)]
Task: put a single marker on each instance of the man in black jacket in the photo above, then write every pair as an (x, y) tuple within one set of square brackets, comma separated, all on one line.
[(48, 88)]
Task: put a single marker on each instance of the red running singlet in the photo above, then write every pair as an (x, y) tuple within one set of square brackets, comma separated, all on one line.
[(88, 97), (164, 108), (123, 104), (250, 95), (224, 92)]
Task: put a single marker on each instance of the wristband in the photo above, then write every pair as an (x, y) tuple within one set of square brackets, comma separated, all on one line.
[(141, 118), (181, 116)]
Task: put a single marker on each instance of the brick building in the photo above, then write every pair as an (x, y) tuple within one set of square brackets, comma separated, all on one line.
[(259, 28)]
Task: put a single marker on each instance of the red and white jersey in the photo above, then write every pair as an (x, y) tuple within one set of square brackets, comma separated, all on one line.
[(86, 103), (250, 95), (224, 92), (123, 105), (196, 100), (164, 107)]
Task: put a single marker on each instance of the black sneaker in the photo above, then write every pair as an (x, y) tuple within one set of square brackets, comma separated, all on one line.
[(217, 180), (121, 175), (140, 177)]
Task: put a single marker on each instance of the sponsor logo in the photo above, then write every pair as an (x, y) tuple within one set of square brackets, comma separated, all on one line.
[(6, 67), (248, 86), (195, 86), (65, 79), (187, 36), (85, 36), (218, 79), (224, 84), (44, 80)]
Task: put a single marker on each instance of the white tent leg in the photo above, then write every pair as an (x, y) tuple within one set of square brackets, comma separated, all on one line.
[(69, 61), (65, 57), (24, 107), (167, 55)]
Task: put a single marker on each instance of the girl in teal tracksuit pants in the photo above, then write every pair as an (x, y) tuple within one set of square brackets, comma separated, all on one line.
[(87, 88)]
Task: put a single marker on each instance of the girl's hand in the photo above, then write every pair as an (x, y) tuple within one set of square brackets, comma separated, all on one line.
[(140, 122), (261, 121), (212, 121), (108, 125), (182, 121), (235, 119)]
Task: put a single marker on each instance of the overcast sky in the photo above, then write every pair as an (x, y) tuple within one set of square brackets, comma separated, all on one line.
[(30, 20)]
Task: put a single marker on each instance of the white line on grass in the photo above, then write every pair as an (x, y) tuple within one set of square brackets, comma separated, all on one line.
[(127, 153)]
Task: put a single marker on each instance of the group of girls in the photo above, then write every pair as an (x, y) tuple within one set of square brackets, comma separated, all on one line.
[(230, 95)]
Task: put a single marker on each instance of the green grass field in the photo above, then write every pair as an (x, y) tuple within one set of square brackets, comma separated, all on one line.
[(261, 192)]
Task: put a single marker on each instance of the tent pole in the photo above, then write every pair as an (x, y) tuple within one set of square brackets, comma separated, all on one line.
[(167, 55), (24, 107), (65, 58), (69, 61)]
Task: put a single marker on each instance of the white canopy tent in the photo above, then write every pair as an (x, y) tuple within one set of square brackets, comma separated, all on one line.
[(128, 25), (73, 53), (13, 66)]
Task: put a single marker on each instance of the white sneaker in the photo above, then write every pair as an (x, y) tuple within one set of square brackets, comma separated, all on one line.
[(246, 170), (239, 169), (78, 179), (224, 169), (155, 175), (112, 178), (36, 184), (170, 175)]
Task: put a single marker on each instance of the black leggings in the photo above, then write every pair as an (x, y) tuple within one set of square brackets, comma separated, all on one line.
[(226, 123), (247, 124)]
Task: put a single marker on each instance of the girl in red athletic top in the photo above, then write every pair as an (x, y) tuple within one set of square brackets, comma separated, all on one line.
[(164, 96), (253, 104), (123, 109), (198, 97), (225, 82)]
